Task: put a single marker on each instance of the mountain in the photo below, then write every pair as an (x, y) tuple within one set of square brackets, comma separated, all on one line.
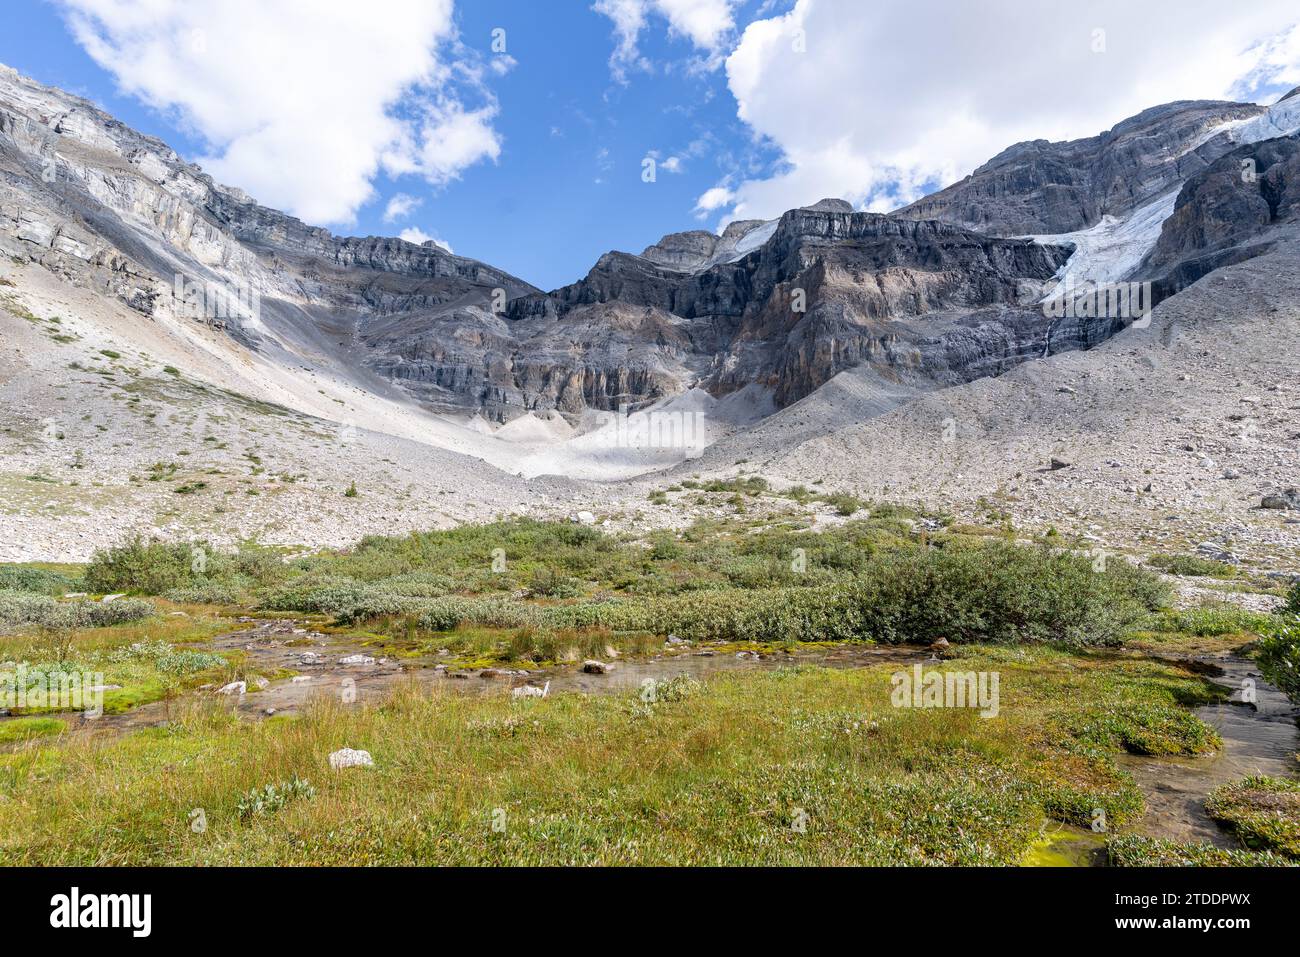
[(155, 318)]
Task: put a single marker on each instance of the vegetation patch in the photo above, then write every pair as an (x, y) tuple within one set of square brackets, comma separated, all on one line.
[(1192, 565), (796, 766), (1278, 654), (1136, 851), (1264, 812), (21, 608)]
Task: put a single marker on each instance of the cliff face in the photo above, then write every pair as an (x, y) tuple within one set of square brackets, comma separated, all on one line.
[(935, 293), (1225, 213), (1039, 187)]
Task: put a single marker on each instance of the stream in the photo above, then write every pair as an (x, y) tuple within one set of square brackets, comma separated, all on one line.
[(1263, 739)]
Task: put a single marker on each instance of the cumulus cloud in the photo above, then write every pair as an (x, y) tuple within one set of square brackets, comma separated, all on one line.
[(713, 199), (413, 234), (401, 205), (880, 105), (705, 23), (302, 102)]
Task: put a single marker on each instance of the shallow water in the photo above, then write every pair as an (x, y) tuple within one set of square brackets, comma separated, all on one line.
[(280, 645), (1259, 740)]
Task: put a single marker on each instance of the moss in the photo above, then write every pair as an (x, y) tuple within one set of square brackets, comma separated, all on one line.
[(1065, 847), (16, 730)]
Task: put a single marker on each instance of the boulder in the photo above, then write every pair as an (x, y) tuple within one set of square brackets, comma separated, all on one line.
[(1287, 498), (348, 758)]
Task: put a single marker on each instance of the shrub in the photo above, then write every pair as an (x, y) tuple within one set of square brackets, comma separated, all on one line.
[(23, 608), (996, 592), (1278, 654), (1292, 606), (183, 571), (845, 505), (547, 583), (36, 580), (140, 566)]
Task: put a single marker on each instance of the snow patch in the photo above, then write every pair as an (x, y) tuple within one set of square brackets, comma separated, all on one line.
[(1110, 250)]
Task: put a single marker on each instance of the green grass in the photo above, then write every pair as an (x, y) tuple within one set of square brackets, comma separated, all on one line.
[(1193, 565), (1210, 621), (723, 773), (18, 730)]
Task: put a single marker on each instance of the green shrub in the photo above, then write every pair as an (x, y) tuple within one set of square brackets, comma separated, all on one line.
[(845, 505), (996, 592), (37, 580), (186, 570), (140, 566), (1278, 654), (18, 609), (1292, 606)]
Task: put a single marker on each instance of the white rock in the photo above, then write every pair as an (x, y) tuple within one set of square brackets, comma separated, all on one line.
[(32, 231), (530, 691), (357, 660), (299, 679), (348, 758), (587, 518), (107, 598), (235, 687)]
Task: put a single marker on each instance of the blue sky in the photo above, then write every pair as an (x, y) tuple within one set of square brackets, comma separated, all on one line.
[(533, 160)]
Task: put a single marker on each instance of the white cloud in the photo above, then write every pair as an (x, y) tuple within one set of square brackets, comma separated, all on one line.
[(401, 205), (672, 164), (877, 108), (413, 234), (705, 23), (302, 102), (715, 198)]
